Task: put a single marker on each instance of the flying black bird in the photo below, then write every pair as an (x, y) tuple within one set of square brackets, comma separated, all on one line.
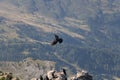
[(56, 40)]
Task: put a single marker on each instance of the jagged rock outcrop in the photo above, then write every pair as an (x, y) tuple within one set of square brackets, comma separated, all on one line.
[(82, 75), (30, 69), (54, 75)]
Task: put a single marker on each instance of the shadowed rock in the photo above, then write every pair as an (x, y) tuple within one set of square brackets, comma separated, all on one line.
[(50, 74)]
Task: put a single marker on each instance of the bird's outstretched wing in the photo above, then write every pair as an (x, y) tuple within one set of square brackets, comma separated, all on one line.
[(54, 42), (56, 37)]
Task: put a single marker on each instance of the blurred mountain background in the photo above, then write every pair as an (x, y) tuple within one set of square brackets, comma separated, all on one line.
[(90, 29)]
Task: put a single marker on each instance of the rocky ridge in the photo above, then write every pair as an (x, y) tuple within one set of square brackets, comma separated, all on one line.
[(30, 69), (53, 75)]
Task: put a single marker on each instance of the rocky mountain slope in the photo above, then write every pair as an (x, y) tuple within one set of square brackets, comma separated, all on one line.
[(27, 68), (90, 30)]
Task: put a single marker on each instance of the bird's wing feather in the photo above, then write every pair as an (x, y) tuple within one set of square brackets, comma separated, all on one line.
[(56, 37), (54, 42)]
